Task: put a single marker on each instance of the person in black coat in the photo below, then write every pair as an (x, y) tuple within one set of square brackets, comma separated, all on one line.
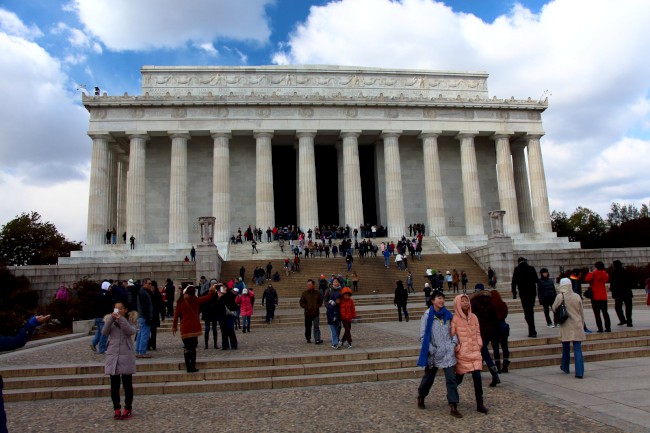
[(620, 285), (170, 291), (224, 309), (270, 300), (546, 294), (524, 281), (400, 300), (158, 315), (488, 321)]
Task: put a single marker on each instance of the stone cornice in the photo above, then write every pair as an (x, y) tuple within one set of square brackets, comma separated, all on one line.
[(314, 101)]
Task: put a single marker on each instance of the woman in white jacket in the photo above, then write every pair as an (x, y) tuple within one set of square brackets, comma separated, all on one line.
[(572, 330)]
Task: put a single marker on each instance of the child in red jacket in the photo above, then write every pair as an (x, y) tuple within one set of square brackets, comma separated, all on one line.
[(348, 312)]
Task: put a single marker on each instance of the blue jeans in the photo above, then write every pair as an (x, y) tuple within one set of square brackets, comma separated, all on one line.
[(450, 381), (246, 322), (577, 355), (335, 330), (386, 261), (143, 337), (485, 353), (349, 266), (99, 338)]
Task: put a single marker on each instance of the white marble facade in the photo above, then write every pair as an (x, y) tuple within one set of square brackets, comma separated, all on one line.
[(199, 140)]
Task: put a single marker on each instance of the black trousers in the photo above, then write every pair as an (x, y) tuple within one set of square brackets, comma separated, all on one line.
[(478, 384), (450, 380), (618, 307), (601, 307), (528, 304), (127, 380)]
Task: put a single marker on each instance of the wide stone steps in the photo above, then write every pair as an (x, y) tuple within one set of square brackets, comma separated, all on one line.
[(285, 371), (380, 309), (374, 278)]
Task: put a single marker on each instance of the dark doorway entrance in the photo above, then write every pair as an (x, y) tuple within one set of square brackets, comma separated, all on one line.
[(284, 185), (367, 169), (327, 184)]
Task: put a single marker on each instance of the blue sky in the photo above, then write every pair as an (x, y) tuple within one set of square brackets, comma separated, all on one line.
[(591, 56)]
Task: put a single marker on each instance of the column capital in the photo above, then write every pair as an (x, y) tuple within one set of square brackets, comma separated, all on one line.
[(114, 147), (501, 134), (99, 135), (345, 134), (179, 134), (534, 135), (220, 134), (518, 144), (306, 133), (389, 133), (137, 134), (466, 134), (263, 133), (427, 134)]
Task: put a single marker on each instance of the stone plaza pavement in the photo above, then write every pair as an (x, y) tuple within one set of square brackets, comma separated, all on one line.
[(612, 397)]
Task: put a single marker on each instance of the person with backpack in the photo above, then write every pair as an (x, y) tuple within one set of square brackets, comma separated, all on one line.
[(270, 300)]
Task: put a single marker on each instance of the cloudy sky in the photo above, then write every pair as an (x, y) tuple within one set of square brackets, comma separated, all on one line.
[(589, 56)]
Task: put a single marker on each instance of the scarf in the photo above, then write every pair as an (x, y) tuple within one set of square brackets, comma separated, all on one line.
[(442, 315)]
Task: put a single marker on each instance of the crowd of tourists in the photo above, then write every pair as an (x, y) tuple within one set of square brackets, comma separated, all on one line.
[(458, 343)]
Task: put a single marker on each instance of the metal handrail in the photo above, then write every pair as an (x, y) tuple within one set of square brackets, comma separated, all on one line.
[(440, 242), (470, 252)]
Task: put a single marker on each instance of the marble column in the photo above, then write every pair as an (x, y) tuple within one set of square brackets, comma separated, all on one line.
[(521, 186), (471, 189), (99, 187), (394, 193), (178, 221), (135, 194), (433, 183), (539, 194), (506, 183), (308, 210), (113, 156), (352, 180), (221, 185), (264, 204), (122, 170)]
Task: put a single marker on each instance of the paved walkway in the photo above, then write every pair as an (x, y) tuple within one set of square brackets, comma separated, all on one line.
[(612, 397)]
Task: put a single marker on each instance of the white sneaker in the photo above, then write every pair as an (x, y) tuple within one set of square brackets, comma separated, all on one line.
[(551, 326)]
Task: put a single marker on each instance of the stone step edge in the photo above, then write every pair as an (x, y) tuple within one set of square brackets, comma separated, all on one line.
[(316, 358), (282, 381)]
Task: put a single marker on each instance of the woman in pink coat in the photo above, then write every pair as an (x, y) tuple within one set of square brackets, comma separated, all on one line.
[(245, 301), (465, 327)]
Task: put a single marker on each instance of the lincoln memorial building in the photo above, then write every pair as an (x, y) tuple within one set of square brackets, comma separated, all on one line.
[(313, 145)]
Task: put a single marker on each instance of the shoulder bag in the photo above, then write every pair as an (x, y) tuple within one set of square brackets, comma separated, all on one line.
[(561, 314)]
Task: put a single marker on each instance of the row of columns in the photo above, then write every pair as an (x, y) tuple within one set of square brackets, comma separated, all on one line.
[(117, 184)]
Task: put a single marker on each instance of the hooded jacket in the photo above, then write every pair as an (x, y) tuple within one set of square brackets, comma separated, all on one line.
[(485, 312), (466, 328), (573, 328)]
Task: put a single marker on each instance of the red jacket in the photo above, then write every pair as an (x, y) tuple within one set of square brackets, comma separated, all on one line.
[(348, 312), (188, 311), (598, 279)]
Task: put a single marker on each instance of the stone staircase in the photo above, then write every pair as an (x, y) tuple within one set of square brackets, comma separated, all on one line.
[(284, 371), (374, 278)]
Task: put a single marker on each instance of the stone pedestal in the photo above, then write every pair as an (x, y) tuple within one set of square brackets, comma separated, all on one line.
[(208, 262), (496, 224), (501, 259)]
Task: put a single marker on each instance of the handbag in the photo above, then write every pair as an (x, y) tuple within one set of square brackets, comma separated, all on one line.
[(561, 314), (588, 293)]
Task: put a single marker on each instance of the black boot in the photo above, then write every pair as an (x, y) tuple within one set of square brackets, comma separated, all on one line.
[(421, 403), (249, 329), (188, 360), (480, 407), (506, 363), (498, 364), (495, 377), (454, 411)]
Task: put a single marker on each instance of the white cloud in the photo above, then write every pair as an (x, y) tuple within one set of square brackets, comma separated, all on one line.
[(147, 24), (209, 48), (64, 204), (590, 55), (12, 25), (44, 150)]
